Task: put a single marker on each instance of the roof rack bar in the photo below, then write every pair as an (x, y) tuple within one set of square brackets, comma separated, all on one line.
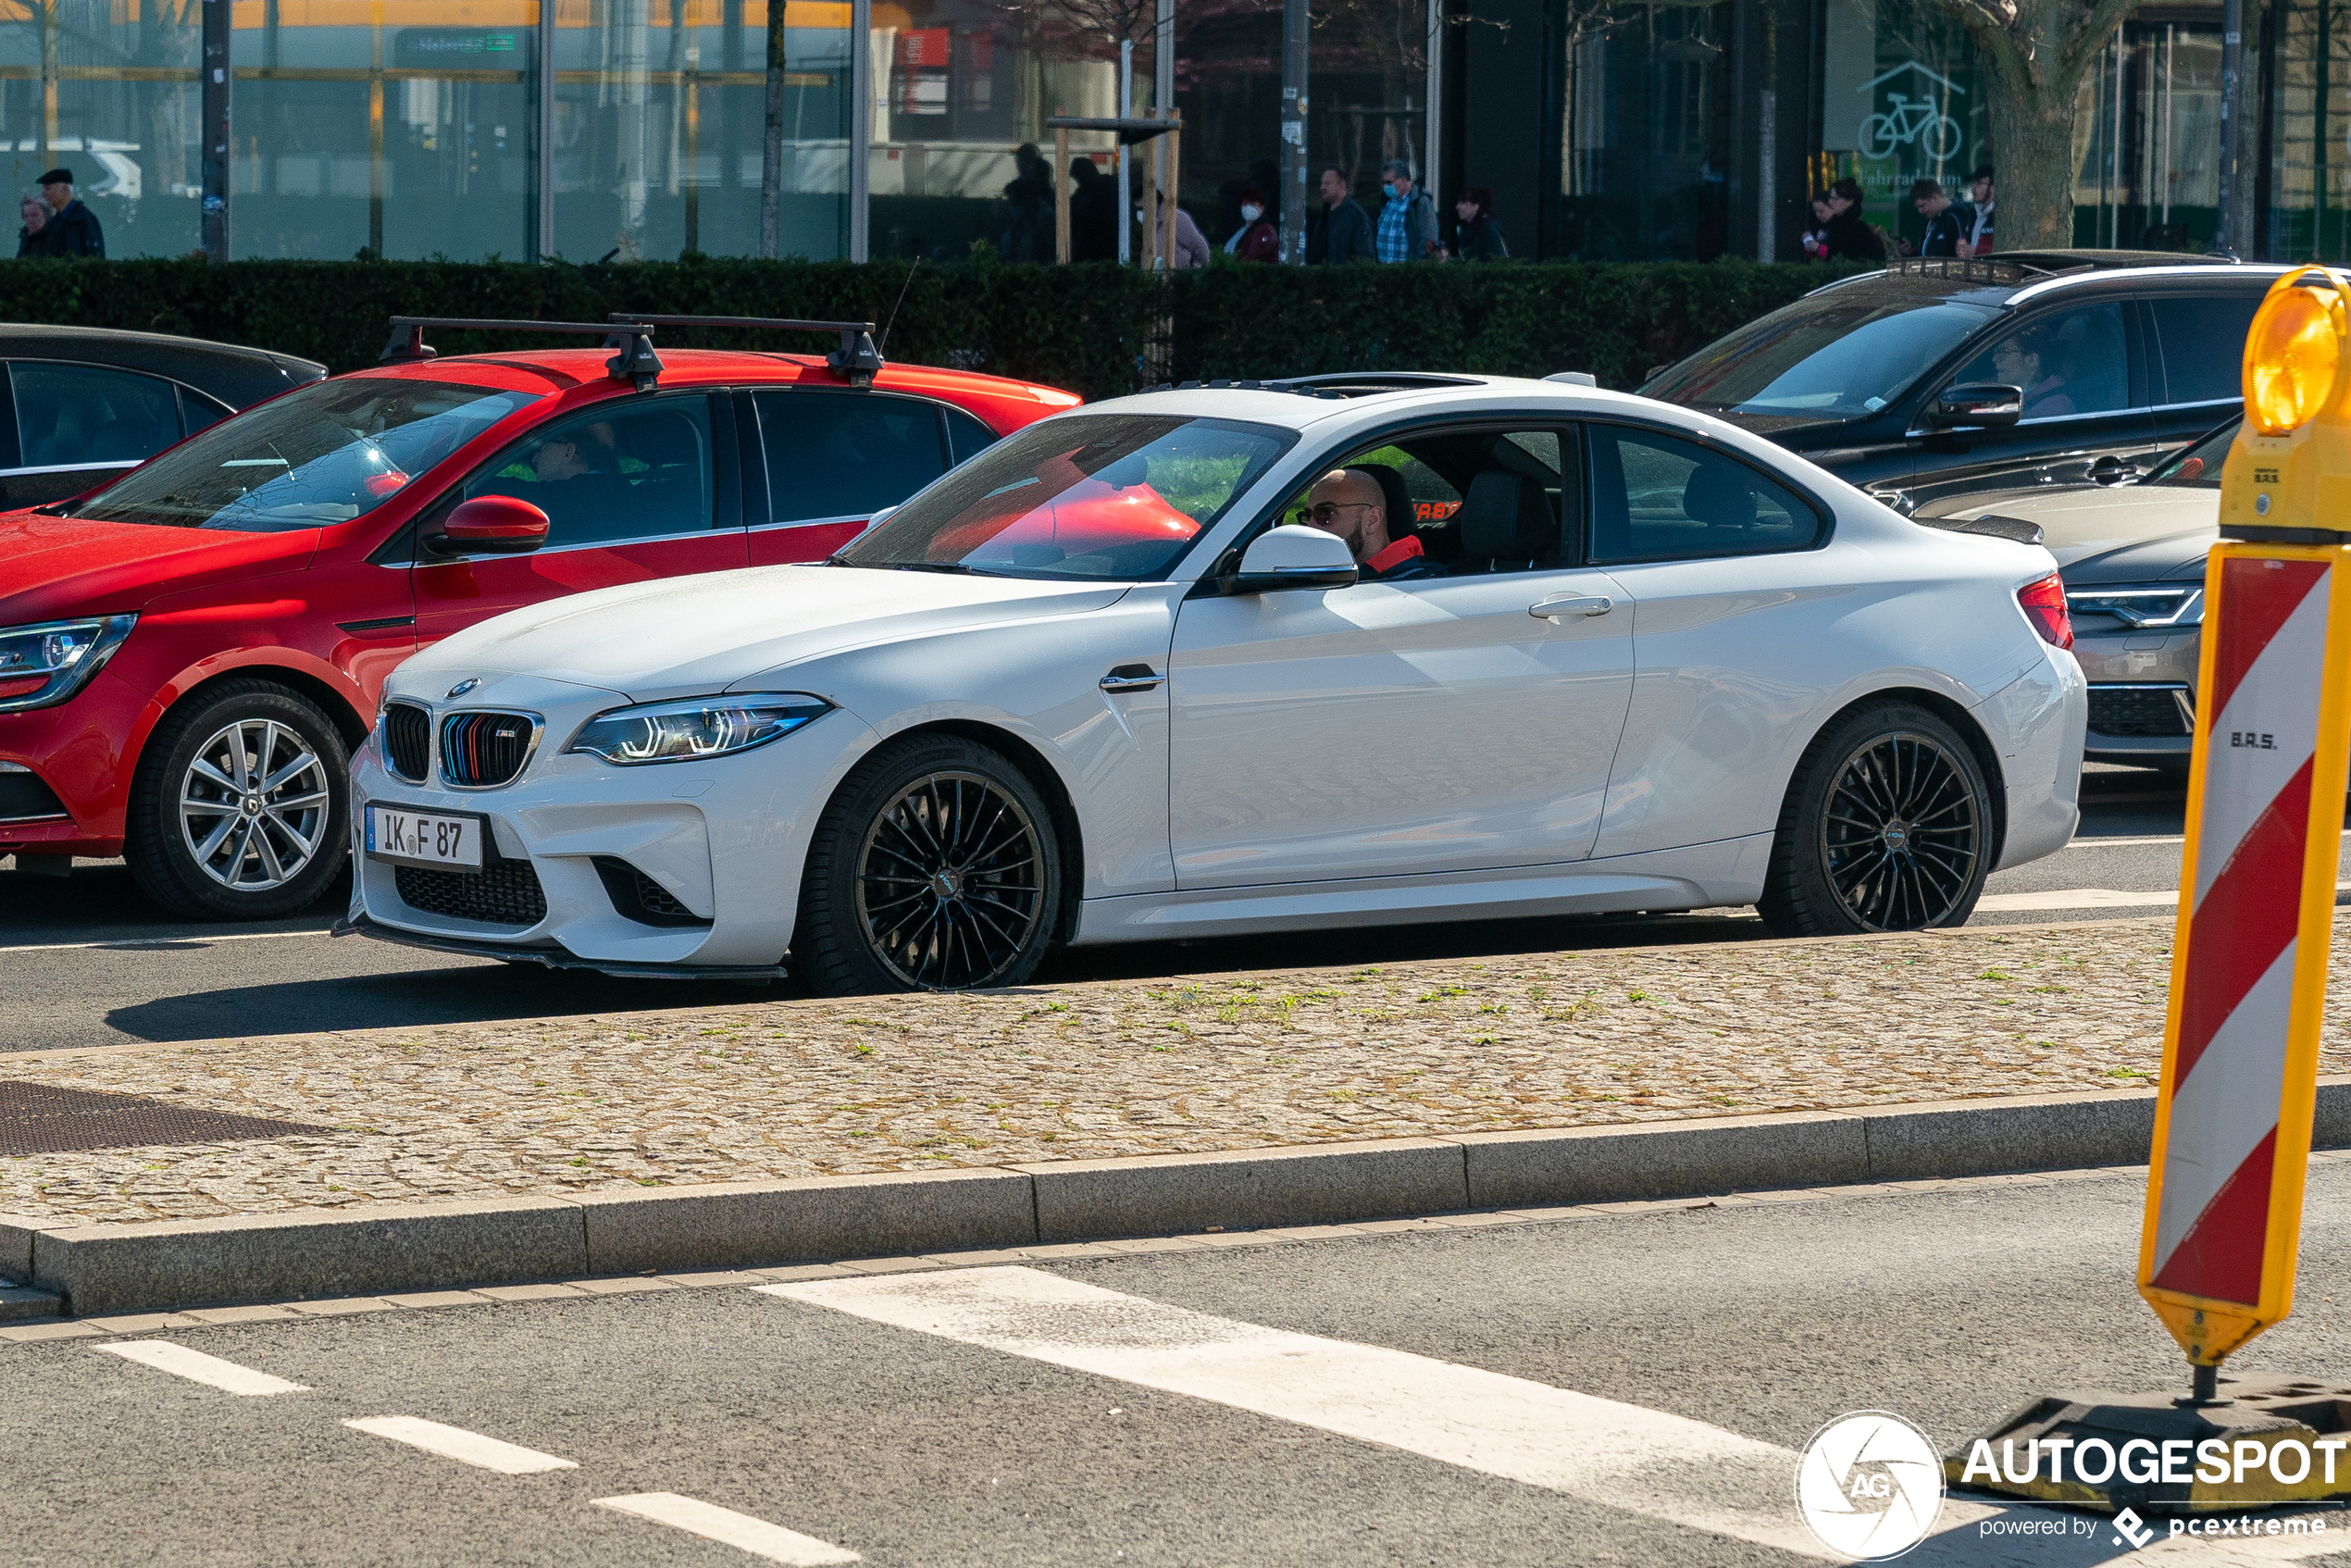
[(636, 362), (857, 358)]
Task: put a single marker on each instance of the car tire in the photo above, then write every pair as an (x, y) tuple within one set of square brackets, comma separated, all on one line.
[(935, 867), (1887, 825), (211, 836)]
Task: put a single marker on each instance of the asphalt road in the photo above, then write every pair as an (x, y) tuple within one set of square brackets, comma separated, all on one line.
[(1022, 1416), (90, 961)]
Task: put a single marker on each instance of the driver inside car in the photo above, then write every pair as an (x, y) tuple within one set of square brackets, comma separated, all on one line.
[(1350, 504)]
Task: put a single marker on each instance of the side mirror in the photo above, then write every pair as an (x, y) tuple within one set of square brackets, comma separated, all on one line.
[(490, 525), (1293, 556), (1986, 404)]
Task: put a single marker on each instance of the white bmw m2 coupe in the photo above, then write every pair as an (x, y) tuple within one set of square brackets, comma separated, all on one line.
[(1107, 682)]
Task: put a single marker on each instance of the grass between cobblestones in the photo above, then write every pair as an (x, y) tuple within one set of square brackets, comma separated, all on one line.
[(801, 1088)]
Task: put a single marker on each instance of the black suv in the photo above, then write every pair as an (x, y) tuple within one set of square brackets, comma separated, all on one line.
[(80, 404), (1936, 377)]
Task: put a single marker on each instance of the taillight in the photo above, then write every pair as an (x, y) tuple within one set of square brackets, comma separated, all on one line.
[(2043, 604)]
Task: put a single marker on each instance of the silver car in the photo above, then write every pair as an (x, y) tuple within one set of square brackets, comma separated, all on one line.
[(2133, 558)]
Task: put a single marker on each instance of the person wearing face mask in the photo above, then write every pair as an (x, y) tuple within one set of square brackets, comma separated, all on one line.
[(1255, 239), (1408, 221)]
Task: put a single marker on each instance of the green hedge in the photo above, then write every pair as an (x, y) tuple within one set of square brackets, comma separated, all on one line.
[(1095, 328)]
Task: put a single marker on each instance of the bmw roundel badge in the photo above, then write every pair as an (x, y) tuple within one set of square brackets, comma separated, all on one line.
[(463, 686)]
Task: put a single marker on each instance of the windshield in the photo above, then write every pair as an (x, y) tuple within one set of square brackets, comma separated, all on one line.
[(1110, 496), (1836, 355), (2199, 466), (325, 453)]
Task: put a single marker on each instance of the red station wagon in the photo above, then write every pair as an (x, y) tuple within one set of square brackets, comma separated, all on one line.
[(188, 655)]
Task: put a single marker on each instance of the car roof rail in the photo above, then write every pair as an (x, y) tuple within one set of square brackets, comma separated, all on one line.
[(635, 362), (857, 358), (1345, 384), (1979, 270)]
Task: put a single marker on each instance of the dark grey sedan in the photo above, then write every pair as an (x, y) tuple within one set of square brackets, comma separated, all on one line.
[(79, 404)]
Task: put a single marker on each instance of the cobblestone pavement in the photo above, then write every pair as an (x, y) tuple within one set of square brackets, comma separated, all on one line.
[(801, 1087)]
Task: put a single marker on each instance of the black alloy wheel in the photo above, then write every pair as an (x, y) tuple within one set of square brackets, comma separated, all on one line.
[(239, 808), (1887, 827), (935, 868)]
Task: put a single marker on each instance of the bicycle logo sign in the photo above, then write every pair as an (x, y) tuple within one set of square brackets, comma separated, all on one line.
[(1910, 122)]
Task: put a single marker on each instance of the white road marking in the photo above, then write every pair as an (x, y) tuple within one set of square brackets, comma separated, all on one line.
[(724, 1525), (180, 1360), (2097, 843), (2075, 898), (1621, 1456), (1642, 1460), (455, 1442)]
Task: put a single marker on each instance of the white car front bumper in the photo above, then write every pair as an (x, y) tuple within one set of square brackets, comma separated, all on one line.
[(677, 869)]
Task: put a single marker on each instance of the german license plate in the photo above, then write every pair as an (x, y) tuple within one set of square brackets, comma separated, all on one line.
[(422, 838)]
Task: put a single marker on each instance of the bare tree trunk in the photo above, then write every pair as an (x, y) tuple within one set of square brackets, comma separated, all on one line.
[(771, 159), (2032, 149)]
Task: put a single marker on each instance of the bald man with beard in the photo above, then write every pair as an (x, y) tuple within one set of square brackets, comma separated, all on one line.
[(1350, 503)]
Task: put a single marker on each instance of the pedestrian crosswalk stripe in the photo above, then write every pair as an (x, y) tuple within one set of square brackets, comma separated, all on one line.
[(455, 1442), (1641, 1461), (1621, 1456), (197, 1367), (730, 1528)]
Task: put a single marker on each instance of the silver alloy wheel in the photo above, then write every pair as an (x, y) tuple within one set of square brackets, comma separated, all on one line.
[(1902, 832), (949, 882), (253, 805)]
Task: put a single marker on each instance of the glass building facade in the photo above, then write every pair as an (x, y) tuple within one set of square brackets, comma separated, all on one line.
[(637, 129)]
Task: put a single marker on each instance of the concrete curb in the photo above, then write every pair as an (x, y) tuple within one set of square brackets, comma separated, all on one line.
[(122, 1268)]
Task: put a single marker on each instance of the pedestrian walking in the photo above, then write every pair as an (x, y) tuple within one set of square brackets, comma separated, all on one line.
[(1029, 235), (1093, 212), (1978, 240), (1816, 239), (1345, 233), (1407, 220), (1849, 239), (72, 229), (32, 240), (1256, 239), (1943, 234), (1477, 237)]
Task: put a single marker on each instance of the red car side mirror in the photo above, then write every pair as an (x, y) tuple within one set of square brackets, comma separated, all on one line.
[(490, 525)]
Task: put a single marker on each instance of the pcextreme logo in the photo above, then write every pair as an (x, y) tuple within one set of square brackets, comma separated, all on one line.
[(1869, 1486)]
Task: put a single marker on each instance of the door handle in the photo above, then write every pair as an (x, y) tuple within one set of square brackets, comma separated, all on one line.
[(1560, 608), (1132, 677)]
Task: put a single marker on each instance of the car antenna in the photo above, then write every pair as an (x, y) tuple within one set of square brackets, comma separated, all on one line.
[(883, 341)]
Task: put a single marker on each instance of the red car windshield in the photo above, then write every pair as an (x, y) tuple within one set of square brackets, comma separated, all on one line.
[(1106, 495), (327, 453)]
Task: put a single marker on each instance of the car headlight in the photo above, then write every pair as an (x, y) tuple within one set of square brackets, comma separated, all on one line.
[(697, 727), (42, 666), (2163, 607)]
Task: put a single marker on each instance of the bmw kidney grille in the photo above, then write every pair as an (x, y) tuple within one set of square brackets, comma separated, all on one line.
[(480, 751), (407, 738)]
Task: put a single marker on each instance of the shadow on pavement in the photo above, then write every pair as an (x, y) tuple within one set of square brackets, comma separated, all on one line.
[(469, 993)]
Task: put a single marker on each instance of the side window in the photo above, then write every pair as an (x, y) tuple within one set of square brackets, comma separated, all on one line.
[(630, 470), (966, 436), (71, 415), (2066, 361), (2203, 342), (836, 454), (1476, 500), (198, 412), (1655, 498)]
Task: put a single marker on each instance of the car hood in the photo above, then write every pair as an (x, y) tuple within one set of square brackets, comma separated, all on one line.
[(1772, 427), (2107, 533), (683, 637), (52, 568)]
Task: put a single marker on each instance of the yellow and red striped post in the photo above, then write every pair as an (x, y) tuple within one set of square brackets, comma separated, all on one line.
[(2264, 836)]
